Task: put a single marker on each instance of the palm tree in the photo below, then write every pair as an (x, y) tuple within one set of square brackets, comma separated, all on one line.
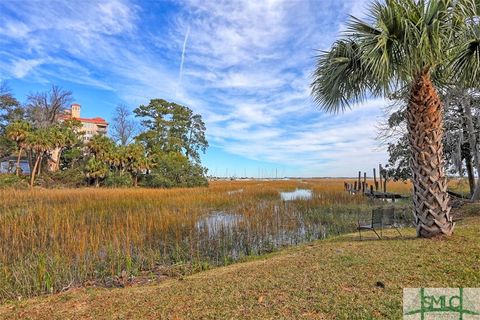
[(39, 142), (17, 132), (119, 158), (407, 45), (96, 169), (138, 162), (101, 147)]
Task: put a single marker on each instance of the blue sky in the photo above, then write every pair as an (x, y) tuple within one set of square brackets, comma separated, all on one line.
[(246, 69)]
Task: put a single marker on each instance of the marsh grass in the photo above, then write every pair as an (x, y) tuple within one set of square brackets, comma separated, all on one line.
[(54, 239)]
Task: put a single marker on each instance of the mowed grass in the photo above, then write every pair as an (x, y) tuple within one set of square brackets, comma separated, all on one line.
[(338, 278), (53, 240)]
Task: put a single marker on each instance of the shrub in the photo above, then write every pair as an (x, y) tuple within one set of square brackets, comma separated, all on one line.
[(175, 170), (158, 180), (12, 181), (115, 180), (68, 178)]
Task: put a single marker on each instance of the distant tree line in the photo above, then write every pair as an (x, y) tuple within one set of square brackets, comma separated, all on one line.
[(158, 145)]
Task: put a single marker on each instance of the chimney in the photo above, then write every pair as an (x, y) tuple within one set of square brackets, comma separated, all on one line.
[(75, 110)]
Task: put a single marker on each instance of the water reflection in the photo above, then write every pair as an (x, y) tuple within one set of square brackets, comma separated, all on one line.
[(218, 221), (232, 235), (298, 194)]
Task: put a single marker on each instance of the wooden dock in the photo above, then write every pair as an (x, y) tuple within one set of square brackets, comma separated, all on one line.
[(377, 190)]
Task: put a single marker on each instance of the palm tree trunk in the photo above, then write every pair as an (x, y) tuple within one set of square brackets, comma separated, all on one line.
[(425, 131), (32, 173), (17, 171), (40, 166)]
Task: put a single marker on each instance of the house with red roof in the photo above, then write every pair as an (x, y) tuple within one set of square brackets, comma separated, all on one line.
[(90, 126)]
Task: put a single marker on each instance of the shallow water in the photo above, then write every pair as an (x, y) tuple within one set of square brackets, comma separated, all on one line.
[(298, 194), (224, 235), (237, 235), (218, 220)]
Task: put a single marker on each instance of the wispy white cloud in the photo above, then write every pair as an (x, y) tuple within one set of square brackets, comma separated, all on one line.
[(246, 68), (332, 145), (21, 67), (258, 58)]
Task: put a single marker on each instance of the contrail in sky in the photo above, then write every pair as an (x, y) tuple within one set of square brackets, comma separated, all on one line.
[(180, 74)]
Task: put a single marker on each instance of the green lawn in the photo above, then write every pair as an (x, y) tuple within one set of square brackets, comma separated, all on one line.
[(336, 278)]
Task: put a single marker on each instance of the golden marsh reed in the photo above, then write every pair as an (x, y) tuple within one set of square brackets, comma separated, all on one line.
[(53, 239)]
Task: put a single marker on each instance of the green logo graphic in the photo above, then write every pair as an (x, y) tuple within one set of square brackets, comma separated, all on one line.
[(441, 303)]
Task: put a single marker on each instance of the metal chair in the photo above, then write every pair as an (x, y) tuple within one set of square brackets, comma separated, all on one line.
[(381, 218)]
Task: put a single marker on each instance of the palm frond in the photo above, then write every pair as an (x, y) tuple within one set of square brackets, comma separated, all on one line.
[(381, 43), (340, 78), (466, 63), (397, 41)]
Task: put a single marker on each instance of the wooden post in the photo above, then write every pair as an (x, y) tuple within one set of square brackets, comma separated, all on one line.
[(385, 178), (364, 182), (359, 179), (380, 175), (375, 179), (355, 185), (371, 189)]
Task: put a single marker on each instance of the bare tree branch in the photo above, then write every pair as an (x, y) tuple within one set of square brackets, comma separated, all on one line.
[(123, 127), (45, 107)]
